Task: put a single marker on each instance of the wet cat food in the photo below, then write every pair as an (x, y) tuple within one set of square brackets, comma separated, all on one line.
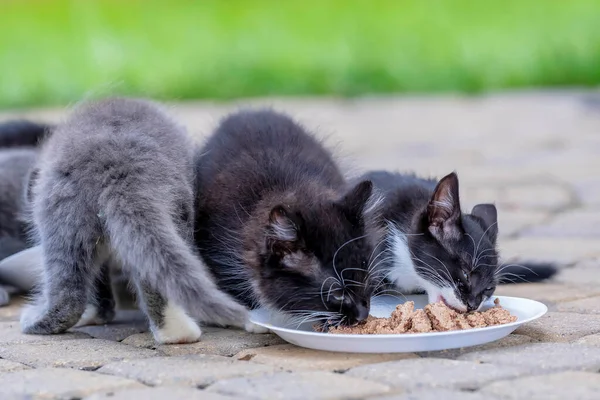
[(436, 317)]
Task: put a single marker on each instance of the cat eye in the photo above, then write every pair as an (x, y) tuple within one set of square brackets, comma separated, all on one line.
[(339, 298), (465, 275)]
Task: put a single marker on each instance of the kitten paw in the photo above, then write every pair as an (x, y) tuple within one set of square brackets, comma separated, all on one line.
[(253, 328), (33, 321), (177, 327), (91, 316)]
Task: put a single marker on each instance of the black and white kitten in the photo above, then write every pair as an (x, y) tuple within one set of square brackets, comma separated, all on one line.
[(277, 224), (431, 245), (116, 181)]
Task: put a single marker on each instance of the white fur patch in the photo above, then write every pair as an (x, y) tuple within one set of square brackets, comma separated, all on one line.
[(253, 328), (90, 317), (177, 327), (406, 278)]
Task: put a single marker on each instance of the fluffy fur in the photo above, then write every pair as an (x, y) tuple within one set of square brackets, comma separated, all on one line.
[(431, 245), (278, 225), (115, 181), (14, 167)]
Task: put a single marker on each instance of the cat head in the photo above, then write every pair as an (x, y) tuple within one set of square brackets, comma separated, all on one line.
[(454, 252), (315, 258)]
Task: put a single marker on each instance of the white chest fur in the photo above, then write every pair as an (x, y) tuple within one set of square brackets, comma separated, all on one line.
[(403, 272)]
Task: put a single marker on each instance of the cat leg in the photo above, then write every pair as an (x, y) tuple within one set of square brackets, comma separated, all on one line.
[(169, 323), (150, 244), (100, 309), (69, 248)]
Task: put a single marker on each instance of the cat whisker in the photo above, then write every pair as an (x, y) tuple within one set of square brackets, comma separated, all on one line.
[(340, 276)]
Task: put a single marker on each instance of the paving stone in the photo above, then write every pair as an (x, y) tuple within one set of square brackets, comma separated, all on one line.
[(59, 383), (509, 341), (80, 353), (588, 190), (10, 333), (547, 292), (561, 327), (302, 385), (161, 393), (564, 385), (586, 273), (574, 223), (534, 196), (224, 342), (563, 251), (293, 358), (585, 306), (591, 340), (437, 394), (125, 324), (12, 311), (514, 221), (10, 366), (191, 370), (542, 357), (434, 372)]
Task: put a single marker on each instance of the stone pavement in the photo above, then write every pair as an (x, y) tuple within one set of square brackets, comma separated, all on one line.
[(537, 155)]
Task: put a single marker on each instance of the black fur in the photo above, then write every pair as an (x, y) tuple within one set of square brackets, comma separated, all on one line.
[(20, 133), (449, 249), (274, 214)]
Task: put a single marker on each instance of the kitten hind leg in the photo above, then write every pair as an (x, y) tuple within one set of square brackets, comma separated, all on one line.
[(69, 271), (100, 309), (169, 323)]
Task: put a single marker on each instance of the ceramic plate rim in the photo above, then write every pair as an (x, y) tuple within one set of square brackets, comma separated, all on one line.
[(544, 310)]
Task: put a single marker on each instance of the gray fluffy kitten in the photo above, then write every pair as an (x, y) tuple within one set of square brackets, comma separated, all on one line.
[(116, 180), (14, 167)]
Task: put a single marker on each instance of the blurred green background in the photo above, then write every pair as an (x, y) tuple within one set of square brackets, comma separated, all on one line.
[(56, 51)]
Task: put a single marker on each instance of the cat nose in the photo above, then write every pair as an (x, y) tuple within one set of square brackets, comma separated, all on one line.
[(473, 304), (362, 311)]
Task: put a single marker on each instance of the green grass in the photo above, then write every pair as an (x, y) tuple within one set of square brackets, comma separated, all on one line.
[(56, 51)]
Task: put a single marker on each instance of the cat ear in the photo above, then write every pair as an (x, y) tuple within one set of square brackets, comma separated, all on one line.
[(354, 202), (489, 215), (283, 228), (444, 209)]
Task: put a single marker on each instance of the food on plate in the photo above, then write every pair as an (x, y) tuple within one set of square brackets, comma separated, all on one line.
[(436, 317)]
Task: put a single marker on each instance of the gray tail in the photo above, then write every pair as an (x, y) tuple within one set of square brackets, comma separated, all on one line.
[(165, 261), (21, 133), (528, 272)]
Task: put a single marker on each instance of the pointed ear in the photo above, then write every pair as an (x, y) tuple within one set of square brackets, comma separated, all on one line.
[(283, 228), (489, 215), (354, 202), (444, 209)]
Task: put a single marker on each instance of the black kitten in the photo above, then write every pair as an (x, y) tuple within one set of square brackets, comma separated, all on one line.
[(431, 245), (276, 223)]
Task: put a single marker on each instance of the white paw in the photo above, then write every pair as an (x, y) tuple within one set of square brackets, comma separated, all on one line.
[(89, 317), (177, 327), (253, 328)]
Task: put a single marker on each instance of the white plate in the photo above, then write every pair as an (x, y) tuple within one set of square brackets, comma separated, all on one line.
[(526, 311)]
